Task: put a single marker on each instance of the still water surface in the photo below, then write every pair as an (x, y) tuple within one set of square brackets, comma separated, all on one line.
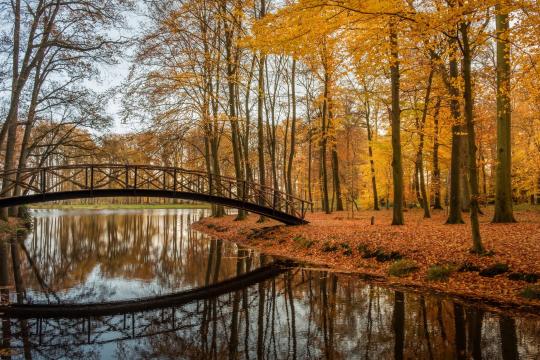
[(97, 256)]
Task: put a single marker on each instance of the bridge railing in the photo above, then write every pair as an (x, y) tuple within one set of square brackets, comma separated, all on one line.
[(63, 178)]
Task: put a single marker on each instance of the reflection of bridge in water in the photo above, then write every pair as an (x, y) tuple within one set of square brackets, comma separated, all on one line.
[(67, 310), (57, 325), (299, 314), (44, 184)]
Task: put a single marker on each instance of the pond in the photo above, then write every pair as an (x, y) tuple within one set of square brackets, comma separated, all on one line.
[(96, 256)]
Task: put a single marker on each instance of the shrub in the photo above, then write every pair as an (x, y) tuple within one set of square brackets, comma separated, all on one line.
[(329, 247), (368, 254), (468, 267), (528, 277), (381, 256), (4, 227), (303, 242), (439, 272), (531, 292), (362, 248), (402, 267), (494, 270)]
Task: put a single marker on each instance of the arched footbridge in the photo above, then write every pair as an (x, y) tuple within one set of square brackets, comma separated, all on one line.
[(43, 184)]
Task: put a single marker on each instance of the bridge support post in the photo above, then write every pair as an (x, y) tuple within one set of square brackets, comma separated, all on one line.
[(91, 178), (43, 182)]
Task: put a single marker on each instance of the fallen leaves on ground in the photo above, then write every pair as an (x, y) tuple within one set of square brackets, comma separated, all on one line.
[(426, 241)]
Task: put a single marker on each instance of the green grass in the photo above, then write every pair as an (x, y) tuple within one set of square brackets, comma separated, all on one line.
[(379, 254), (12, 229), (347, 251), (531, 292), (520, 276), (303, 242), (439, 272), (329, 247), (119, 206), (362, 248), (402, 267), (6, 228)]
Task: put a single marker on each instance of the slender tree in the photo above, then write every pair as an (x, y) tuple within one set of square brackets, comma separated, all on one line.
[(397, 167), (471, 138)]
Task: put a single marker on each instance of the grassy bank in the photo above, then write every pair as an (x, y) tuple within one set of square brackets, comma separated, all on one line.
[(10, 228), (119, 206), (424, 254)]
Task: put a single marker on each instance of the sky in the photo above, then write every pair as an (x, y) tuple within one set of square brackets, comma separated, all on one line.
[(112, 76)]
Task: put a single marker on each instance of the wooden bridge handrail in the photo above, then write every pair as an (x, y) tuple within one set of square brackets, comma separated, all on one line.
[(26, 177), (152, 167)]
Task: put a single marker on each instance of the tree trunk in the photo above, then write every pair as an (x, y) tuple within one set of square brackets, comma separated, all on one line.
[(335, 164), (233, 119), (473, 171), (509, 341), (247, 126), (260, 126), (454, 216), (420, 153), (30, 119), (436, 179), (310, 158), (397, 167), (398, 324), (503, 184), (323, 144), (260, 108), (371, 160), (465, 193), (9, 159), (293, 129), (336, 179)]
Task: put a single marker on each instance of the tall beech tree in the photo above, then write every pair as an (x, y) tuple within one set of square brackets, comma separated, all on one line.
[(395, 113), (503, 183)]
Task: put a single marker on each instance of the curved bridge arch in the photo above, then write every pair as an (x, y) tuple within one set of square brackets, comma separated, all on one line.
[(33, 185)]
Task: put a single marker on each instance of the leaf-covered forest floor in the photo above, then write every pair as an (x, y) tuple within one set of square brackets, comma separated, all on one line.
[(434, 256)]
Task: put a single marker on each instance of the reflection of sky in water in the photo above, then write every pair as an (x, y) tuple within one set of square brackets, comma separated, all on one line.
[(98, 288), (160, 254)]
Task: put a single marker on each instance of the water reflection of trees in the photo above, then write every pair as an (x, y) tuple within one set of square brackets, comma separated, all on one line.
[(149, 247), (300, 314), (297, 315)]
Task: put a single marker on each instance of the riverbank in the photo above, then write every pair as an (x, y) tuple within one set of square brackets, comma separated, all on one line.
[(47, 206), (424, 253), (10, 227)]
